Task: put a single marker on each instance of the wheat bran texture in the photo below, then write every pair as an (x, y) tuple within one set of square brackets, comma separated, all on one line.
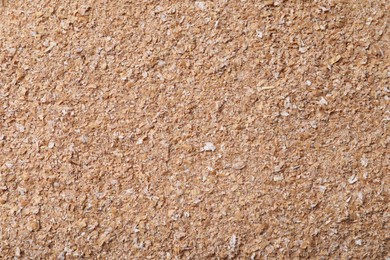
[(194, 129)]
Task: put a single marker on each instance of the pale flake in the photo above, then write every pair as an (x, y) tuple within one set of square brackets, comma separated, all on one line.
[(352, 179), (278, 178), (20, 127), (9, 165), (323, 101), (84, 139), (284, 113), (233, 242), (322, 188), (259, 34), (200, 5), (209, 147), (364, 161)]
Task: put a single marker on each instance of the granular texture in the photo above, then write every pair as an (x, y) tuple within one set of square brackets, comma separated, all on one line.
[(222, 129)]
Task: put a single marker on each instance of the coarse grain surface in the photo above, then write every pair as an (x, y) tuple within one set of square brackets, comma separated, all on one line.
[(194, 129)]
